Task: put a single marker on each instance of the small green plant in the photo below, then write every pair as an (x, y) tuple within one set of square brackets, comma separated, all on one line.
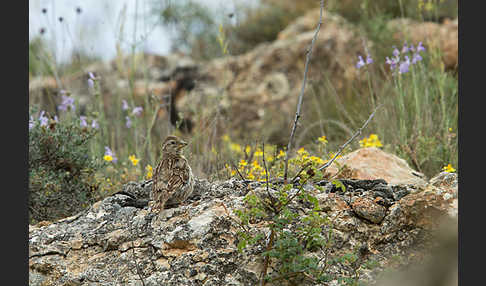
[(61, 172), (296, 239)]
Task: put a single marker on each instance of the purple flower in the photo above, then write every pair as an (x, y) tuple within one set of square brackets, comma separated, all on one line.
[(94, 124), (110, 153), (405, 48), (56, 119), (396, 52), (420, 47), (404, 65), (129, 121), (90, 83), (360, 62), (392, 62), (67, 102), (31, 122), (91, 76), (83, 121), (369, 60), (124, 104), (137, 110), (43, 119), (416, 58), (411, 48)]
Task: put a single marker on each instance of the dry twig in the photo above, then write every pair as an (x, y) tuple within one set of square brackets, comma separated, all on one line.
[(301, 96)]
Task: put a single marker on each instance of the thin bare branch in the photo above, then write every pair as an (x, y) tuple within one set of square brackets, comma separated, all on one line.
[(238, 171), (358, 132), (301, 96), (266, 174)]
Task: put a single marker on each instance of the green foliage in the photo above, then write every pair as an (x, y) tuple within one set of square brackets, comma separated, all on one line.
[(297, 239), (61, 172)]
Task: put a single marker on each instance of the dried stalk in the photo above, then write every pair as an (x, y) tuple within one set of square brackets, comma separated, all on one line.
[(301, 96), (358, 132)]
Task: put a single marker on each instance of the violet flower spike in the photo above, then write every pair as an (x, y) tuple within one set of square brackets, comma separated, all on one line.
[(83, 121), (94, 124), (31, 122), (43, 119), (392, 62), (360, 62), (404, 66), (128, 124), (369, 60), (420, 47), (67, 102), (405, 48), (124, 104), (416, 58), (137, 110), (396, 52)]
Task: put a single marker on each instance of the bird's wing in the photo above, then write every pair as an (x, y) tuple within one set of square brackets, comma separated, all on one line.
[(178, 178), (158, 183)]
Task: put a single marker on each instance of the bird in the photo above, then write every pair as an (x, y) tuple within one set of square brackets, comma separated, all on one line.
[(173, 180)]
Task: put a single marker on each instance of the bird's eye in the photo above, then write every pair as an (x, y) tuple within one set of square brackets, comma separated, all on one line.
[(172, 142)]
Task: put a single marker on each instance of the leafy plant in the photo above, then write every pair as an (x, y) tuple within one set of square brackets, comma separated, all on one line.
[(61, 172)]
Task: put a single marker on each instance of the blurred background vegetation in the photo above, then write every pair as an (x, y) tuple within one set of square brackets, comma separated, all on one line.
[(418, 124)]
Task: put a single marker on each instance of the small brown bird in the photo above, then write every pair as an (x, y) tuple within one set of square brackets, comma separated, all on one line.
[(173, 180)]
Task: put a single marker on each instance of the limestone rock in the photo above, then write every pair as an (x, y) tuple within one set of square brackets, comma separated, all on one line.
[(373, 163), (115, 243)]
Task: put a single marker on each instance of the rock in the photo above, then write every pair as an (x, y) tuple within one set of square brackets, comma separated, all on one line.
[(369, 210), (373, 163), (115, 243)]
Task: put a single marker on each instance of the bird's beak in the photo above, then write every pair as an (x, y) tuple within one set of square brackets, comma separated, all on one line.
[(182, 144)]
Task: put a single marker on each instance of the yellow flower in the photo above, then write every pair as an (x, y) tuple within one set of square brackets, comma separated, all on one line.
[(303, 153), (317, 160), (322, 139), (226, 138), (448, 169), (247, 149), (371, 141), (281, 154), (258, 153), (242, 163), (149, 170), (108, 158), (133, 159)]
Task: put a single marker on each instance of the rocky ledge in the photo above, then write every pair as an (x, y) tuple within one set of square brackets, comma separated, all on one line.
[(117, 241)]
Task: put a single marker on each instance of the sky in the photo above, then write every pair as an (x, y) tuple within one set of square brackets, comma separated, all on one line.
[(97, 28)]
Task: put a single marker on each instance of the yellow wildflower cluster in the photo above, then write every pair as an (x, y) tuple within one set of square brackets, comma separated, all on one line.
[(251, 171), (304, 157), (323, 140), (133, 159), (149, 170), (371, 141), (448, 169)]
